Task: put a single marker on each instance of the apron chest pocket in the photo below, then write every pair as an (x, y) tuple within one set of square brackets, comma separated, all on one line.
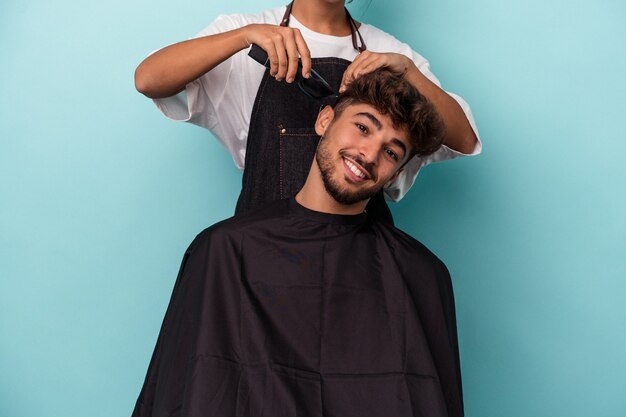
[(297, 150)]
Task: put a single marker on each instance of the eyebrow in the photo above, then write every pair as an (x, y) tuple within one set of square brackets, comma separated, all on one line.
[(372, 118), (379, 126)]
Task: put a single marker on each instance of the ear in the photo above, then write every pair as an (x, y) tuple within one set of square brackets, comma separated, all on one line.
[(324, 118)]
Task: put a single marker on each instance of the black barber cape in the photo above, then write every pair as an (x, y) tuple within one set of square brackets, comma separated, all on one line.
[(288, 312)]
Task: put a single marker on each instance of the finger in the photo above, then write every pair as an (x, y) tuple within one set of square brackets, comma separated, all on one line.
[(292, 56), (360, 59), (366, 68), (282, 58), (347, 76), (352, 70), (305, 53), (272, 56), (369, 64)]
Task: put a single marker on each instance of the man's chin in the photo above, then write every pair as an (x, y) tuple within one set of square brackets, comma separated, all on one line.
[(342, 195)]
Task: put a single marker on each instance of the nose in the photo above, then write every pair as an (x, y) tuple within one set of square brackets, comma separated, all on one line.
[(369, 151)]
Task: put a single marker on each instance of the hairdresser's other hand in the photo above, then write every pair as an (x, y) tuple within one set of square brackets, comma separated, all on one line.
[(284, 46), (367, 62)]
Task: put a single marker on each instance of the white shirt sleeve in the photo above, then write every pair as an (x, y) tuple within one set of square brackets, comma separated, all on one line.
[(189, 104), (406, 178), (203, 99)]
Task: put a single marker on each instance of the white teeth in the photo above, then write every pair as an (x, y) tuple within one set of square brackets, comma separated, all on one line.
[(354, 169)]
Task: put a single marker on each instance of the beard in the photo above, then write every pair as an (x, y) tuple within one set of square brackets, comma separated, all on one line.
[(337, 191)]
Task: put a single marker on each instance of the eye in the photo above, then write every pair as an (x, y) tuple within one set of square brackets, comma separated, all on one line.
[(392, 154), (361, 127)]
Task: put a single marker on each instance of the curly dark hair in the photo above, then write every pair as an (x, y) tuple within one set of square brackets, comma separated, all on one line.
[(391, 94)]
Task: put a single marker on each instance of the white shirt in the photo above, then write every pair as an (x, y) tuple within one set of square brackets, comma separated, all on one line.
[(222, 99)]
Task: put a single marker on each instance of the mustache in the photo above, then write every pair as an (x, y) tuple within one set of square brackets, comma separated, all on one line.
[(368, 166)]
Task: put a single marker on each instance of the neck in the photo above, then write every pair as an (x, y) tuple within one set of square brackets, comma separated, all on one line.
[(322, 16), (314, 196)]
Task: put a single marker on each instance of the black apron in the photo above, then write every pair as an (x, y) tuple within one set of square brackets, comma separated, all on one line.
[(282, 140)]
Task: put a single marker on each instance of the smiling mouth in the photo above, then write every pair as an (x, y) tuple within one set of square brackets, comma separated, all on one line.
[(359, 173)]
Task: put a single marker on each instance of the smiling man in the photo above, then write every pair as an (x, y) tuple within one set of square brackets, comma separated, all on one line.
[(308, 306)]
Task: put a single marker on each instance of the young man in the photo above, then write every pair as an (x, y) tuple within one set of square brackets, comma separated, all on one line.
[(308, 306)]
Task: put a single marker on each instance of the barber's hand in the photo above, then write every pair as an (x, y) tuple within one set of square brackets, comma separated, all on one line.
[(284, 45), (367, 62)]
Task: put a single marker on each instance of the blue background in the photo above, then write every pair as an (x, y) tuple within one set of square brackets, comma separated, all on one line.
[(100, 195)]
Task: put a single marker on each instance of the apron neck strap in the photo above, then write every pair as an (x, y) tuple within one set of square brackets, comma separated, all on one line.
[(354, 29)]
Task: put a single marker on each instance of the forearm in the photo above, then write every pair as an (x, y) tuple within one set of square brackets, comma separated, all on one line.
[(167, 71), (459, 133)]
